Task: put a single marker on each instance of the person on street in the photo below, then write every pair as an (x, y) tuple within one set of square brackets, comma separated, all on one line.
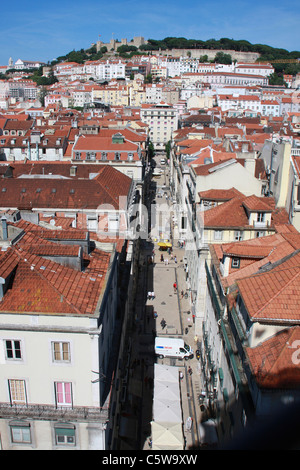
[(163, 323)]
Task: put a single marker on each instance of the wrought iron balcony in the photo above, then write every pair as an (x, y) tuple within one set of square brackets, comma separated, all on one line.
[(49, 412)]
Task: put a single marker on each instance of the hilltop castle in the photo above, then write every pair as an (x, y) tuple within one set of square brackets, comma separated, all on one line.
[(114, 43)]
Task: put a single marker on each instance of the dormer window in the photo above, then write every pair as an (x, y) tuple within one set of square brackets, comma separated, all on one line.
[(260, 217), (103, 156), (235, 263), (117, 156)]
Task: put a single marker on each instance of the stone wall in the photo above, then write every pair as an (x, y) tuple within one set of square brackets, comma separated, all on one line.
[(248, 57)]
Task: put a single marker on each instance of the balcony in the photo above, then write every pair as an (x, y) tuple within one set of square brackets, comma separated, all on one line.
[(51, 412)]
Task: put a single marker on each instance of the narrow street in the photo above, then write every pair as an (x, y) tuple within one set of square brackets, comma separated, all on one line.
[(157, 276)]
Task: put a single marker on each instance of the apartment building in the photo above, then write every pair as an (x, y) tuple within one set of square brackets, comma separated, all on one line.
[(58, 316), (19, 89), (99, 202), (270, 108), (113, 94), (256, 69), (223, 216), (110, 148), (162, 121), (110, 70), (237, 102), (250, 334), (34, 146)]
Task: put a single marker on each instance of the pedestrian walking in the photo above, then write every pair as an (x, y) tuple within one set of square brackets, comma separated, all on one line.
[(175, 259), (161, 257), (190, 371), (152, 296), (163, 323), (175, 287), (182, 294)]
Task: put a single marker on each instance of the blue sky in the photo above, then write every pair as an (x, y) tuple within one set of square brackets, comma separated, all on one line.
[(35, 30)]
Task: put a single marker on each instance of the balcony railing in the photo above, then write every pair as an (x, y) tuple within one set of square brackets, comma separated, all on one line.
[(49, 412)]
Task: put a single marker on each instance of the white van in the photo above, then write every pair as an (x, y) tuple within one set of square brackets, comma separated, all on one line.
[(172, 347)]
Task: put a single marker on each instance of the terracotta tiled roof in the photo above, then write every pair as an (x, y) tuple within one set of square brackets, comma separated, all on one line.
[(272, 361), (233, 214), (220, 194), (258, 252), (203, 170), (274, 294), (43, 286), (228, 214), (254, 203), (42, 192), (47, 234)]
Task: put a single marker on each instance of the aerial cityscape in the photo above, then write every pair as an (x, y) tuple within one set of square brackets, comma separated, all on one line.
[(150, 246)]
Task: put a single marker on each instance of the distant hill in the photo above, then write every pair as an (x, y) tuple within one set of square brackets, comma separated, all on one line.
[(266, 53)]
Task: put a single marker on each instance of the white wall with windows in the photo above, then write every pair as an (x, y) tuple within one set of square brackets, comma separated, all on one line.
[(48, 363)]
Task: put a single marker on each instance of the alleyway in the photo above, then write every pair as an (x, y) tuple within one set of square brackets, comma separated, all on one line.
[(159, 277)]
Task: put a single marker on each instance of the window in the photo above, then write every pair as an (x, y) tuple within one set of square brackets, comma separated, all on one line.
[(61, 352), (77, 156), (117, 156), (238, 235), (17, 391), (113, 223), (260, 217), (92, 223), (103, 156), (63, 393), (218, 235), (13, 349), (65, 435), (235, 263), (20, 433), (259, 234)]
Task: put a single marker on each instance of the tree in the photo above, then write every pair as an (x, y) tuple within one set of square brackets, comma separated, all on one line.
[(222, 58), (203, 58), (148, 78), (276, 79), (151, 151), (168, 149), (42, 94)]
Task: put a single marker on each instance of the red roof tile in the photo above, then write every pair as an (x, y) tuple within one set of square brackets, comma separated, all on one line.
[(274, 294), (274, 363)]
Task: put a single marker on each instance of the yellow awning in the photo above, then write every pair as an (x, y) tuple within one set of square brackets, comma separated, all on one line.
[(162, 244), (169, 245)]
